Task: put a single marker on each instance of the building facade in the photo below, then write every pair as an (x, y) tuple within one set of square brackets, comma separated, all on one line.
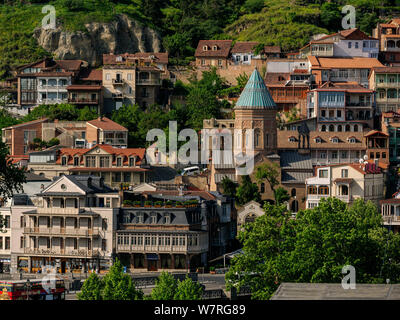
[(68, 225), (115, 165), (346, 182)]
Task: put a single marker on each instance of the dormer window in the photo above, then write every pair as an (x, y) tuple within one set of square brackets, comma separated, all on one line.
[(119, 59), (76, 161), (167, 218), (119, 162), (215, 48), (292, 139), (318, 140), (205, 48), (352, 140), (153, 217), (132, 161), (335, 140), (64, 160), (140, 217)]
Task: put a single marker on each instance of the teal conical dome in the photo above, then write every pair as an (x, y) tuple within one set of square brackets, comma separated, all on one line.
[(255, 94)]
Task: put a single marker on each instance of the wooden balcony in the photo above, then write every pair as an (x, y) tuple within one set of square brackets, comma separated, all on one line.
[(81, 253), (57, 231)]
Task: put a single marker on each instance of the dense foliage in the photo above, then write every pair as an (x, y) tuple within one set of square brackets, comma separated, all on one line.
[(168, 288), (314, 247), (116, 285), (182, 23)]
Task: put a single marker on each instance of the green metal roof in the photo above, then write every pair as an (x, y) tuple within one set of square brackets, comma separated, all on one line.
[(255, 94)]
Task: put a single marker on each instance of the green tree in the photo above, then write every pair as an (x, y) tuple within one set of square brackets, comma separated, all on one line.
[(331, 16), (91, 288), (229, 187), (281, 195), (314, 247), (166, 287), (119, 286), (11, 176), (247, 191), (269, 171), (188, 290)]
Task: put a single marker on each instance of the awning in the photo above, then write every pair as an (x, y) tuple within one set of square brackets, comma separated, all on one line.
[(151, 256)]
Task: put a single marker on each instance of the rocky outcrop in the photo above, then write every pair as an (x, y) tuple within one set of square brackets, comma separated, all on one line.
[(119, 36)]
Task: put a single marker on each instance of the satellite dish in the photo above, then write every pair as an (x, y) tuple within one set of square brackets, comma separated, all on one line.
[(365, 157)]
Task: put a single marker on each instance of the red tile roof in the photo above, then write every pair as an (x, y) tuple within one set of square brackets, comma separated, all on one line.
[(27, 123), (123, 152), (244, 47), (223, 48), (157, 57), (70, 65), (106, 124), (91, 75), (272, 49), (343, 63)]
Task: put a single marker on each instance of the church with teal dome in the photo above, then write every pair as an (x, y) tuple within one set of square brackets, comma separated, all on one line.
[(255, 109)]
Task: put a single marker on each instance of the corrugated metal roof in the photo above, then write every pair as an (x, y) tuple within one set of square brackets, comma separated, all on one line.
[(295, 160), (255, 94), (295, 177)]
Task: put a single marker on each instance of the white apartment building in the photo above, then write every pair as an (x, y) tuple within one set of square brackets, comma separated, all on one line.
[(68, 225), (346, 182), (52, 87)]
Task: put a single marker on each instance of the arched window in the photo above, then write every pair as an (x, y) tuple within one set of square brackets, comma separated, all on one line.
[(257, 139), (262, 187), (312, 190), (250, 218), (294, 206), (344, 190), (323, 190), (331, 128), (347, 128), (323, 128), (355, 128), (339, 128), (293, 192)]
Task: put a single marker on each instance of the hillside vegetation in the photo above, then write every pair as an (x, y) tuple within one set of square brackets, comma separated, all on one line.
[(288, 23)]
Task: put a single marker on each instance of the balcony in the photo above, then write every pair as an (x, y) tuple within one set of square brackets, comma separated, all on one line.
[(83, 100), (395, 220), (54, 231), (116, 141), (52, 101), (359, 104), (344, 198), (149, 82), (82, 253), (317, 196), (162, 249), (118, 82), (118, 96), (54, 210)]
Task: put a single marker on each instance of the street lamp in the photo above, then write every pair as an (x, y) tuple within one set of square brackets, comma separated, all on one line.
[(28, 287)]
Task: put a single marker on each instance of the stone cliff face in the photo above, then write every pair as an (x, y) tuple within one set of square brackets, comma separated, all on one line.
[(119, 36)]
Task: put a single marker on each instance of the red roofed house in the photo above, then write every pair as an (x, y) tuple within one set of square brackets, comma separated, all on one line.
[(346, 182), (342, 69), (345, 43), (389, 41), (105, 131), (18, 137), (46, 81), (117, 166), (133, 78), (213, 53), (87, 89)]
